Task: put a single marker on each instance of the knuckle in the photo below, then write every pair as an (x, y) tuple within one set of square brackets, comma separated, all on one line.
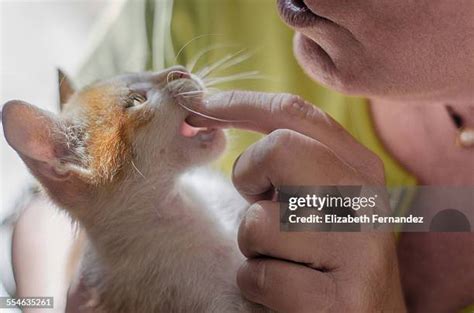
[(279, 139), (289, 99), (280, 136), (274, 147), (296, 107), (230, 96), (280, 101)]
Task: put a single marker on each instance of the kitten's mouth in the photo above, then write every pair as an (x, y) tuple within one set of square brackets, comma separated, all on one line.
[(201, 133), (193, 90)]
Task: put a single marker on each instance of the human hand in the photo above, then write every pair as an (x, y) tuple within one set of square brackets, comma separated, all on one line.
[(43, 242), (303, 272)]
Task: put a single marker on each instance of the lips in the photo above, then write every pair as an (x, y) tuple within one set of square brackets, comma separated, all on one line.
[(296, 14)]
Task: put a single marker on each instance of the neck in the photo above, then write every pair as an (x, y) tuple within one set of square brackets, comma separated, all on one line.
[(161, 236), (141, 207), (422, 137)]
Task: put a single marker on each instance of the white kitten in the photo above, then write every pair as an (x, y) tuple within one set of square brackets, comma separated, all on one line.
[(121, 159)]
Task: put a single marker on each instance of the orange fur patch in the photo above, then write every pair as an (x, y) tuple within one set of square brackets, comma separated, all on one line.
[(109, 129)]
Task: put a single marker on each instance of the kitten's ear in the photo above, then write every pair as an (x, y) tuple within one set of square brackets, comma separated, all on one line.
[(39, 138), (65, 87)]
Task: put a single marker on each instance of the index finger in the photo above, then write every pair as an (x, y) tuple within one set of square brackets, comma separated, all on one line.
[(266, 112), (257, 111)]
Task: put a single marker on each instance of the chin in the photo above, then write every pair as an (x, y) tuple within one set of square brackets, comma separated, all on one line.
[(204, 148), (347, 71), (355, 74), (323, 68), (215, 148)]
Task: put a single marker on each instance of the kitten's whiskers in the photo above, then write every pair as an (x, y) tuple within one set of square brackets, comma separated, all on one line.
[(212, 117), (192, 64), (240, 76), (191, 41), (223, 61), (237, 60), (136, 169)]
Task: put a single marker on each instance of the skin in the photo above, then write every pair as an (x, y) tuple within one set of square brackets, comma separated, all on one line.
[(404, 56), (299, 272), (410, 58), (404, 50), (440, 258)]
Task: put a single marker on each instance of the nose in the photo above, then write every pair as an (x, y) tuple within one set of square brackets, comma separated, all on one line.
[(177, 72), (169, 75)]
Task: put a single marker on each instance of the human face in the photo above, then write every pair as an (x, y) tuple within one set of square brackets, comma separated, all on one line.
[(413, 50)]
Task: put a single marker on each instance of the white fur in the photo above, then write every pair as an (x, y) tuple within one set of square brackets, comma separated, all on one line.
[(183, 238), (165, 239), (161, 234)]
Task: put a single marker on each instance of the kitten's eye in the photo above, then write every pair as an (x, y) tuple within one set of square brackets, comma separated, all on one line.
[(135, 99)]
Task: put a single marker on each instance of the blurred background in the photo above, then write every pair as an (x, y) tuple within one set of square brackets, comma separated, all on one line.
[(36, 38), (28, 62)]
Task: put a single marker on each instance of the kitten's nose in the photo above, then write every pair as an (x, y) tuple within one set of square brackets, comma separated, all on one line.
[(169, 75), (177, 72)]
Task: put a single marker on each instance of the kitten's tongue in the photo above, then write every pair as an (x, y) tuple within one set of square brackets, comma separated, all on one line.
[(187, 130)]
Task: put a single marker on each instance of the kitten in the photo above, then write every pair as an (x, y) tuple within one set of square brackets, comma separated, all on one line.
[(121, 159)]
